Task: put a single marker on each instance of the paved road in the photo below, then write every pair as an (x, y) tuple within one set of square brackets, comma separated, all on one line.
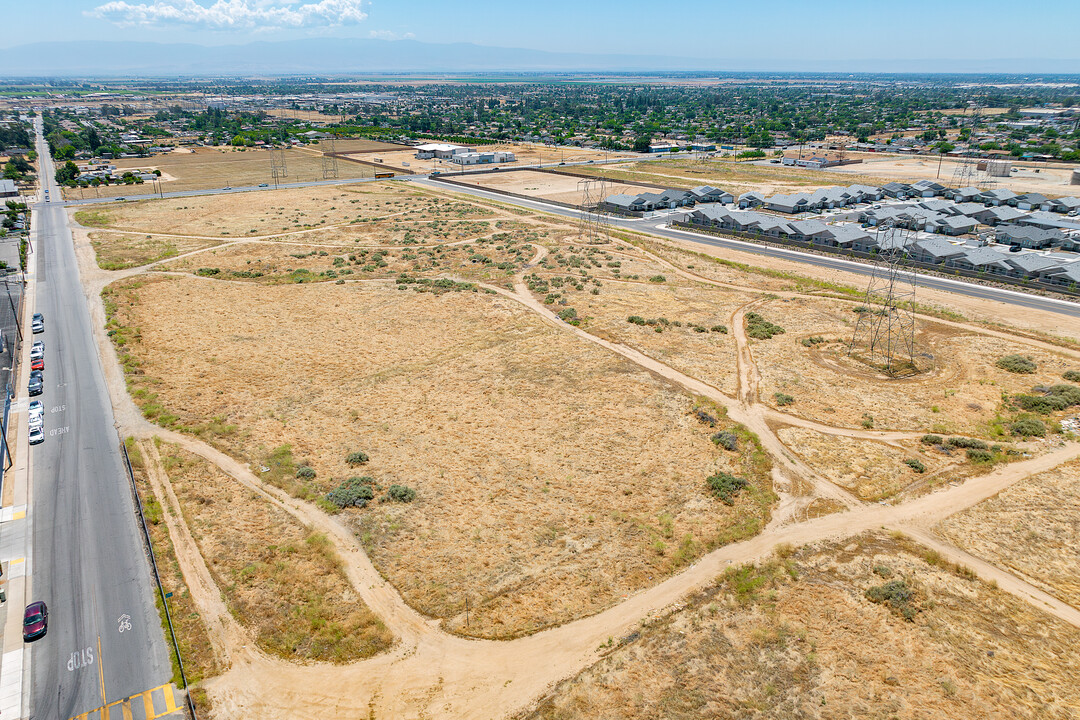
[(89, 563), (656, 226)]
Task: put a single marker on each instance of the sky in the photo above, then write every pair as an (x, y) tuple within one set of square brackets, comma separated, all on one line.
[(780, 29)]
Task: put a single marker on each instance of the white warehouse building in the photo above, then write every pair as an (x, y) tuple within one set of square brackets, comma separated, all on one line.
[(443, 151), (483, 158)]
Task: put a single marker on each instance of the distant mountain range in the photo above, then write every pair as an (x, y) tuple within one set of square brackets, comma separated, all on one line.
[(333, 56)]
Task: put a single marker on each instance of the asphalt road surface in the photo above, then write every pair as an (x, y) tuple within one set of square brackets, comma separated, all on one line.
[(89, 564)]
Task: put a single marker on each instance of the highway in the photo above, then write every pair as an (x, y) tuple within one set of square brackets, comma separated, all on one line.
[(104, 641)]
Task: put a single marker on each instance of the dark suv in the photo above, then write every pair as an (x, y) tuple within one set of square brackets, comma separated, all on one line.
[(36, 386)]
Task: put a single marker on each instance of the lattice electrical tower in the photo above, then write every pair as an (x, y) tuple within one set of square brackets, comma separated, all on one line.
[(329, 161), (884, 334), (593, 222), (278, 168)]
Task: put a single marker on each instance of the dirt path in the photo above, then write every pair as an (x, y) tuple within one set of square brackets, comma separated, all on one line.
[(433, 674)]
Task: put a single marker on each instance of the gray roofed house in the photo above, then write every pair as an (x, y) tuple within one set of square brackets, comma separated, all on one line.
[(1029, 201), (1031, 265), (966, 194), (928, 188), (1069, 277), (936, 251), (981, 258), (7, 188), (708, 193), (866, 193), (996, 196), (955, 225), (806, 229), (1041, 218), (968, 208), (1029, 236), (897, 189), (1063, 204), (751, 199), (997, 214), (795, 203), (937, 205), (844, 236)]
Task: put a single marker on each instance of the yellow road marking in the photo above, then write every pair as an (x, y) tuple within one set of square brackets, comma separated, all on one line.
[(103, 712), (101, 673), (18, 515), (17, 561)]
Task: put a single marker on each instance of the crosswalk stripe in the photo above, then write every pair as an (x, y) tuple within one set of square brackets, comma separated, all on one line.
[(170, 703), (105, 712), (148, 705)]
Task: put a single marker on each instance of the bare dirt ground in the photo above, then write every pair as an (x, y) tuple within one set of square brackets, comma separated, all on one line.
[(547, 186), (503, 334), (119, 251), (1051, 180)]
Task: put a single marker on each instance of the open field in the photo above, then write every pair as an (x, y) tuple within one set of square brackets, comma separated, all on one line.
[(1051, 180), (118, 251), (523, 456), (204, 168), (797, 636), (1030, 529), (960, 392), (293, 210), (281, 581), (475, 404), (544, 186)]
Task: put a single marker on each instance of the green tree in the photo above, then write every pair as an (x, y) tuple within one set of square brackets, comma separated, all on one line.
[(67, 173)]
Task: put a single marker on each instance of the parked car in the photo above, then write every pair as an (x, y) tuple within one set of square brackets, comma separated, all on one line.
[(36, 408), (264, 184), (35, 621), (36, 386), (36, 421), (37, 364), (37, 434), (37, 323), (37, 350)]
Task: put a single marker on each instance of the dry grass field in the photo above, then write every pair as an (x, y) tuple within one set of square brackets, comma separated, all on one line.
[(403, 159), (1031, 529), (961, 391), (118, 251), (798, 637), (293, 210), (280, 580), (213, 167), (552, 478)]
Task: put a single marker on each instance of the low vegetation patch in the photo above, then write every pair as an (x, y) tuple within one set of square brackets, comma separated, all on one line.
[(1046, 400), (1028, 427), (916, 465), (759, 328), (354, 492), (1020, 364), (782, 399), (725, 486), (897, 596), (1071, 375)]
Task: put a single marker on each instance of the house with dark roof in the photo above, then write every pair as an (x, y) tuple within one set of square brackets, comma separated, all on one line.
[(1028, 236), (897, 190), (1029, 201), (936, 251), (928, 188), (1063, 205)]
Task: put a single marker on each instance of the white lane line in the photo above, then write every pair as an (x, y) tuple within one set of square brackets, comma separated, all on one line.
[(9, 513)]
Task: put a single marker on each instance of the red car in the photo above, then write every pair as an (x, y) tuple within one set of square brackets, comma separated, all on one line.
[(38, 364), (35, 621)]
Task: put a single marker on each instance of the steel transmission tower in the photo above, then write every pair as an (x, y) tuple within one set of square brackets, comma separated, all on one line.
[(329, 161), (592, 223), (884, 334)]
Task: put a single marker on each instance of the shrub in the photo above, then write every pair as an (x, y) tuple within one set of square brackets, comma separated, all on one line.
[(1028, 427), (1051, 399), (783, 399), (966, 443), (812, 341), (305, 472), (916, 465), (636, 320), (568, 314), (657, 279), (931, 439), (897, 596), (976, 455), (208, 272), (725, 486), (722, 329), (1071, 375), (759, 328), (356, 458), (726, 440), (1017, 364), (705, 418), (354, 492), (401, 493)]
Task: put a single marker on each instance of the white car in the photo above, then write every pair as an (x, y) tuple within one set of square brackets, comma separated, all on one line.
[(37, 435), (36, 421), (37, 350), (36, 408)]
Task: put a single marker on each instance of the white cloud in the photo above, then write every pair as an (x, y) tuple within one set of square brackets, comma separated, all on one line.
[(233, 14)]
